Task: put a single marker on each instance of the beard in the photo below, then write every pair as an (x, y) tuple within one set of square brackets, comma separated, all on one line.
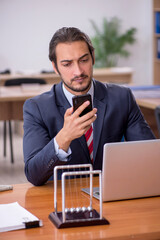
[(80, 88)]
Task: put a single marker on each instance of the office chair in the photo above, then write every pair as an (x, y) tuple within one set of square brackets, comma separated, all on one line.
[(157, 115), (16, 82)]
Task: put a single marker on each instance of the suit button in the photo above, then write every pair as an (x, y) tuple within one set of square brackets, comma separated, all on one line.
[(51, 163)]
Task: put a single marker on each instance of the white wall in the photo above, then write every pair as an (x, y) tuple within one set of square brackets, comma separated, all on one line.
[(26, 28)]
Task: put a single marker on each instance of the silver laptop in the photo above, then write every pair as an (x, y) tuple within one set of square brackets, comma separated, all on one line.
[(130, 170)]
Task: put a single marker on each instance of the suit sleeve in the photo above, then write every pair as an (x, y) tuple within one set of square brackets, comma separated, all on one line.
[(137, 128), (39, 152)]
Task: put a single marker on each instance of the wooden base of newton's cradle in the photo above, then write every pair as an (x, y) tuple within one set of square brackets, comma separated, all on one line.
[(77, 219)]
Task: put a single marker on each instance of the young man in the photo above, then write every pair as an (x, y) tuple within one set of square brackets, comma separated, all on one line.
[(54, 134)]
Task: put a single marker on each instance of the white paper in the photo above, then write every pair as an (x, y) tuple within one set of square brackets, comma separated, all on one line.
[(13, 216)]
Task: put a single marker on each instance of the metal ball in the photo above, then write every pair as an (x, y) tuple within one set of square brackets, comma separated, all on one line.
[(72, 210), (84, 209), (66, 210), (78, 209), (89, 208)]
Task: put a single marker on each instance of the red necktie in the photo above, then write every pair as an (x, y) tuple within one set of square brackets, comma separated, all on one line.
[(89, 140)]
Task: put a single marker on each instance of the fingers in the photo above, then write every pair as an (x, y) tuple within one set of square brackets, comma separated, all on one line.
[(69, 112), (80, 110), (75, 126), (89, 116), (88, 119)]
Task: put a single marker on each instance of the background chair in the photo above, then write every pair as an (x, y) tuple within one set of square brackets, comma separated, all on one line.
[(16, 82), (157, 115)]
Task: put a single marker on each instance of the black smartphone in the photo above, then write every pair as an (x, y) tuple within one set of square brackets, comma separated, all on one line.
[(79, 100)]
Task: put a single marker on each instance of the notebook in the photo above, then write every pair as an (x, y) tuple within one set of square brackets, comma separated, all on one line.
[(130, 170), (13, 217)]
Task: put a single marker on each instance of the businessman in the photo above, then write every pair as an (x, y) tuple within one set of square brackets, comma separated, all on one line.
[(54, 134)]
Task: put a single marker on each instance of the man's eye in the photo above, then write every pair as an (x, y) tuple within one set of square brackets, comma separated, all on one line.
[(66, 64), (84, 60)]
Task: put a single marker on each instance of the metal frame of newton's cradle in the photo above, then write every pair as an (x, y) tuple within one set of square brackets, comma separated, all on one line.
[(79, 216)]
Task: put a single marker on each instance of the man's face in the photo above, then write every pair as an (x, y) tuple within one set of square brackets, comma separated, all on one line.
[(75, 66)]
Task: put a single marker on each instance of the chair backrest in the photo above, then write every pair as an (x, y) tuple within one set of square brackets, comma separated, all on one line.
[(157, 115), (19, 81)]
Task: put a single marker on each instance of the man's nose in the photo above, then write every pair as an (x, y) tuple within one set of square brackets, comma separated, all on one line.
[(77, 70)]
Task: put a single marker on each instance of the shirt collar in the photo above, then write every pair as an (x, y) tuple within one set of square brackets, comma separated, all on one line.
[(69, 95)]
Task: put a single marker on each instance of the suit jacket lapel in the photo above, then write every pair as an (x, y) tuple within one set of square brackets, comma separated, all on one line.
[(61, 100), (100, 104)]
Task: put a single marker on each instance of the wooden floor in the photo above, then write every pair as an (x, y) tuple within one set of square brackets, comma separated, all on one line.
[(11, 173)]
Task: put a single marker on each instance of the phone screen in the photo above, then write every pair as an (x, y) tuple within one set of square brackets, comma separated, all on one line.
[(79, 100)]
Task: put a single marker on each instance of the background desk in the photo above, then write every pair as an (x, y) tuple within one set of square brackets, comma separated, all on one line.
[(13, 98), (148, 98), (132, 219), (147, 107), (114, 75), (150, 103)]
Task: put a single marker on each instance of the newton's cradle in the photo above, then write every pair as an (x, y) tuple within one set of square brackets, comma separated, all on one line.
[(77, 216)]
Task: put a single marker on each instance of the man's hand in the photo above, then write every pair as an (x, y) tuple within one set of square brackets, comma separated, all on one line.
[(75, 126)]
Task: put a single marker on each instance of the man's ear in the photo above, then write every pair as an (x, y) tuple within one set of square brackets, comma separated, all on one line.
[(54, 68)]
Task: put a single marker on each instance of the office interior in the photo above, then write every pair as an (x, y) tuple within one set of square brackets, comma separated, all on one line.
[(27, 27)]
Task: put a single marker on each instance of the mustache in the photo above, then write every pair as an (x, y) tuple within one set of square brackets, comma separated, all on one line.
[(80, 76)]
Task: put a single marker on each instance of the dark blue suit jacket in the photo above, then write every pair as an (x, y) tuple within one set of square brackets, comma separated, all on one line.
[(118, 115)]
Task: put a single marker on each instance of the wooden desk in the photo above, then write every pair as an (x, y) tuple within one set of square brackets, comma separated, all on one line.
[(130, 219), (148, 98), (114, 75), (13, 98), (150, 103), (51, 78), (147, 107)]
